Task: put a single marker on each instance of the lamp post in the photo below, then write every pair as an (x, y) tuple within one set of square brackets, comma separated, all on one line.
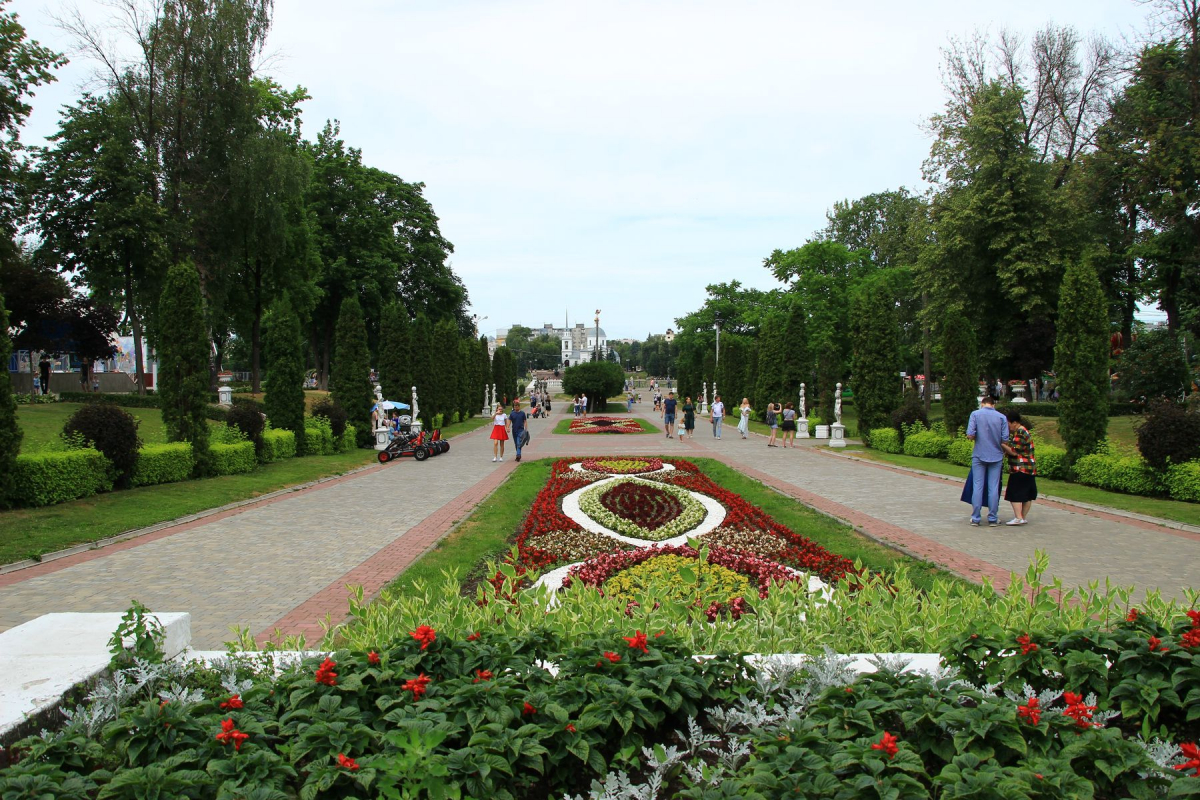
[(596, 357), (717, 365), (476, 319)]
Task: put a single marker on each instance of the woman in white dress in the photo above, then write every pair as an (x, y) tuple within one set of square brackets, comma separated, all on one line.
[(744, 422)]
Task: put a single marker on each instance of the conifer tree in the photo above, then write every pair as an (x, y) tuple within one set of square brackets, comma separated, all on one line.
[(1081, 361), (771, 374), (350, 377), (960, 384), (10, 431), (283, 349), (183, 373), (875, 364), (422, 364), (395, 353), (467, 364), (444, 384), (483, 371), (797, 363)]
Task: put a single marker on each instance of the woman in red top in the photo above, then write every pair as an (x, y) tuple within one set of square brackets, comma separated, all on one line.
[(1022, 485)]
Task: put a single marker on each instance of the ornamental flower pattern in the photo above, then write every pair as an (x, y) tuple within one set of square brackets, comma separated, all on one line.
[(643, 511), (595, 425), (622, 466)]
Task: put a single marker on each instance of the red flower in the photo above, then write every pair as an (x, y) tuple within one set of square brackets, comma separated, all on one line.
[(1191, 638), (325, 673), (1192, 753), (1156, 645), (345, 762), (1132, 615), (1030, 712), (416, 686), (637, 642), (229, 733), (473, 636), (571, 728), (887, 744), (1078, 710), (482, 675), (425, 635), (611, 656), (713, 611), (234, 702), (660, 633), (372, 658), (1194, 616), (528, 710), (1027, 645)]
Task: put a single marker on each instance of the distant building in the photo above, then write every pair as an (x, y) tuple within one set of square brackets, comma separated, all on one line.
[(669, 335), (579, 344)]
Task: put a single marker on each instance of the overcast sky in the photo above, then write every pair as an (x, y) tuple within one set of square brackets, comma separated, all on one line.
[(620, 155)]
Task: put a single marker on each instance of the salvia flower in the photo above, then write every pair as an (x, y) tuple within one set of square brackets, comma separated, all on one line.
[(528, 710), (1194, 616), (1078, 710), (611, 656), (1191, 751), (571, 728), (1132, 616), (1030, 712), (373, 658), (425, 635), (888, 745), (1027, 645), (473, 637), (229, 733), (234, 702), (1191, 639), (345, 762), (416, 685), (482, 675), (1156, 645), (637, 642), (325, 673)]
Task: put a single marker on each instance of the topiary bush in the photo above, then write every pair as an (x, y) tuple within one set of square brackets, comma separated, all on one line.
[(233, 459), (163, 463), (43, 479), (111, 430), (959, 451), (277, 445), (885, 440), (250, 421), (926, 444), (348, 440), (1051, 462), (334, 413), (1116, 473), (1169, 434), (1183, 482)]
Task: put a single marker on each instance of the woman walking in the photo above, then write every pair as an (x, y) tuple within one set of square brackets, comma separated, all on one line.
[(772, 422), (789, 426), (744, 422), (500, 425), (1022, 468), (689, 418)]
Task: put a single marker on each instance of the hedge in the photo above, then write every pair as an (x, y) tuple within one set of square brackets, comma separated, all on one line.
[(885, 440), (232, 459), (43, 479), (1051, 462), (1051, 409), (318, 441), (163, 463), (126, 400), (1128, 474), (1183, 481), (348, 441), (959, 451), (927, 444), (277, 445)]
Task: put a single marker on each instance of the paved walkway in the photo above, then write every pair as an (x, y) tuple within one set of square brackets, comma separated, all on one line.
[(284, 563)]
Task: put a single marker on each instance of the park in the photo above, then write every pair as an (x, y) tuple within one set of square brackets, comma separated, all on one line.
[(282, 517)]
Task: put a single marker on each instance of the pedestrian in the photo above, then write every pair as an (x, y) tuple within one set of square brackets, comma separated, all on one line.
[(629, 402), (716, 413), (744, 422), (1022, 468), (789, 426), (517, 420), (689, 418), (85, 374), (499, 433), (668, 413), (44, 373), (583, 405), (575, 405), (988, 429), (772, 423)]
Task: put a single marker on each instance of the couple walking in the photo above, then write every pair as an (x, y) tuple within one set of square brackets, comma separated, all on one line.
[(717, 415), (996, 435), (516, 422)]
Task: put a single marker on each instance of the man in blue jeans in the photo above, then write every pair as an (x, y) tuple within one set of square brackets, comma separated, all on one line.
[(518, 417), (988, 428), (669, 414)]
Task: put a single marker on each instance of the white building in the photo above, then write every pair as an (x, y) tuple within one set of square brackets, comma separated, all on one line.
[(579, 344)]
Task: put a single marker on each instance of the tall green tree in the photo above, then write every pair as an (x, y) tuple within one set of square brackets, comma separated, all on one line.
[(483, 371), (1081, 361), (283, 347), (468, 403), (10, 431), (422, 364), (183, 351), (444, 385), (771, 385), (350, 382), (875, 364), (960, 369), (395, 353)]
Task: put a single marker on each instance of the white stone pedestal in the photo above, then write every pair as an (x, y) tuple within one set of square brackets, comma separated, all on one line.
[(802, 428), (225, 396), (381, 438), (822, 432), (837, 435)]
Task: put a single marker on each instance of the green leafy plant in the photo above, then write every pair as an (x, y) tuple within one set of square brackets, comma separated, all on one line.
[(140, 636)]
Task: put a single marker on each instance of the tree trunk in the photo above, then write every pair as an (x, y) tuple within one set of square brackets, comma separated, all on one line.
[(927, 359), (139, 367)]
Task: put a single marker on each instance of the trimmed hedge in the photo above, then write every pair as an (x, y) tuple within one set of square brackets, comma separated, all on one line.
[(348, 441), (232, 459), (318, 441), (43, 479), (1051, 462), (1128, 474), (927, 444), (277, 445), (886, 440), (126, 400), (1183, 481), (163, 463), (959, 451), (1051, 409)]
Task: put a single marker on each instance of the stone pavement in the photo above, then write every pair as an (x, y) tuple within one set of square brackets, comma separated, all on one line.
[(285, 563)]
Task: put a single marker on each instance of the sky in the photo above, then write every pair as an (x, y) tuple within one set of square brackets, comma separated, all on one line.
[(618, 155)]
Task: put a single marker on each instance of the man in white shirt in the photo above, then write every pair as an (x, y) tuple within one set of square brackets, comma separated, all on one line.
[(717, 412), (583, 402)]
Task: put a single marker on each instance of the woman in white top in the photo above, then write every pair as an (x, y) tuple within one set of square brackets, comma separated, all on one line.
[(744, 422), (500, 425)]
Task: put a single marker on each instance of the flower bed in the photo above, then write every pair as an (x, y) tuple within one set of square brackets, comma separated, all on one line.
[(642, 510), (605, 425), (621, 466)]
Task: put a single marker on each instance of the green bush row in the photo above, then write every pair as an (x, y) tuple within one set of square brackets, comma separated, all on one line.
[(163, 463), (277, 445), (927, 444), (233, 459), (1118, 473), (1183, 482), (46, 478), (960, 450), (885, 440), (123, 400)]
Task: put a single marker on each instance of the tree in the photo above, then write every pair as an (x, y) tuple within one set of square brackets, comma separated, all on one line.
[(350, 380), (599, 380), (483, 371), (468, 366), (443, 387), (422, 363), (875, 364), (1154, 367), (960, 370), (10, 431), (771, 384), (395, 353), (1081, 361), (797, 366), (504, 374), (283, 347), (184, 363)]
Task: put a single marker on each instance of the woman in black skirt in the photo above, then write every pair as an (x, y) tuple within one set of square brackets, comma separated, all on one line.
[(1022, 468)]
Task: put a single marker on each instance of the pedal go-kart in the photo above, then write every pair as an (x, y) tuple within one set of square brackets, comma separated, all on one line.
[(414, 445)]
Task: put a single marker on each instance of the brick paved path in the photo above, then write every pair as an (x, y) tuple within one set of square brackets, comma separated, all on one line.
[(286, 562)]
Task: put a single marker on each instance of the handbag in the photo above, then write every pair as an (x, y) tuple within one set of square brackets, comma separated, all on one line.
[(969, 489), (525, 438)]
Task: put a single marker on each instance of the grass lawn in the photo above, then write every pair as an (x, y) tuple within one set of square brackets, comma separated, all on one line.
[(489, 531), (1150, 506), (564, 426), (31, 532), (43, 423), (1122, 431)]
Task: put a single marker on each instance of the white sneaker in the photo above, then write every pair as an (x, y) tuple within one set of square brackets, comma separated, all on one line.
[(494, 459), (1015, 521), (501, 458)]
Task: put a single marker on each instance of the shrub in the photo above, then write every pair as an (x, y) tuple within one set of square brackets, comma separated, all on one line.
[(960, 449), (885, 440), (1051, 461), (908, 413), (336, 415), (1183, 481), (348, 440), (232, 459), (250, 421), (1116, 473), (349, 379), (277, 445), (111, 430), (283, 351), (813, 422), (43, 479), (1081, 360), (438, 420), (1153, 366), (1168, 435), (127, 400), (163, 463), (926, 444), (183, 357), (318, 437)]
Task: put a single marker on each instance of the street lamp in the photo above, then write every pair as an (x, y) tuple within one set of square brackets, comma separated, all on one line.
[(476, 319), (597, 356)]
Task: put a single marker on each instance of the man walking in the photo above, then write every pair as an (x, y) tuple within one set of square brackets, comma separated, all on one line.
[(518, 418), (717, 413), (669, 413), (988, 428)]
